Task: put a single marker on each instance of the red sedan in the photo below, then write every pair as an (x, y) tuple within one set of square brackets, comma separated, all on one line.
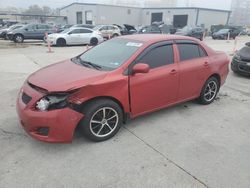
[(119, 79)]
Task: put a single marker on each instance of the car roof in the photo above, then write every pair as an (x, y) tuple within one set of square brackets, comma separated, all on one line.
[(151, 38), (73, 28)]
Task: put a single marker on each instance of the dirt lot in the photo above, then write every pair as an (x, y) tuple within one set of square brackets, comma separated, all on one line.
[(188, 145)]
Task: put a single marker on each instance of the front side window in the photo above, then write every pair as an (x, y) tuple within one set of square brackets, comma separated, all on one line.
[(75, 31), (159, 56), (41, 27), (190, 51)]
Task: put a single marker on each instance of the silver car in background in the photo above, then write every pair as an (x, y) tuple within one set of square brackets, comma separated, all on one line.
[(75, 36)]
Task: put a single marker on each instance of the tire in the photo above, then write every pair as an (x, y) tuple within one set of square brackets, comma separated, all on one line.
[(18, 38), (61, 42), (5, 36), (93, 41), (97, 128), (209, 91)]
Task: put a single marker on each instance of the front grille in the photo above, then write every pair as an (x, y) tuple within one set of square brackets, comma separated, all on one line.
[(26, 98)]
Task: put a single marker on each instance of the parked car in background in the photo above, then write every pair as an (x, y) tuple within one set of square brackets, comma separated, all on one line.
[(196, 32), (84, 25), (224, 33), (31, 31), (108, 31), (75, 36), (150, 29), (121, 78), (3, 32), (62, 28), (126, 29), (241, 61)]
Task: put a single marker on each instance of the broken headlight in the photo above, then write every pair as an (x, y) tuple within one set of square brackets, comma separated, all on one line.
[(51, 102)]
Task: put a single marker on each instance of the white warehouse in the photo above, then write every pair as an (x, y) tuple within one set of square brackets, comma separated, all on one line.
[(85, 13)]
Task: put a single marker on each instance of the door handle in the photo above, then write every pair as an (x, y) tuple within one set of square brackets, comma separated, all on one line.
[(206, 64), (173, 71)]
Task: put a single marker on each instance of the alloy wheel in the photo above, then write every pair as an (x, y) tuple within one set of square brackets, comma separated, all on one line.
[(104, 122), (210, 91), (19, 38)]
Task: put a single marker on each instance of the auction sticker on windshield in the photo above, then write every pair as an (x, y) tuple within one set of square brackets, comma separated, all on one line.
[(134, 44)]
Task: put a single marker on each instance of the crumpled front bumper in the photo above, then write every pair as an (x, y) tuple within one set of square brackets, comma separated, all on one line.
[(60, 123)]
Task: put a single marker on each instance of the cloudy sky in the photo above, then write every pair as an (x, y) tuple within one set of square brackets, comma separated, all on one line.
[(217, 4)]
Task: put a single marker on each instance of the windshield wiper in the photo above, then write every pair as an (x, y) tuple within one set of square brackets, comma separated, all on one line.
[(86, 63)]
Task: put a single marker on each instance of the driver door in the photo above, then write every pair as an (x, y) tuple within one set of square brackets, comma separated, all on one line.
[(159, 87), (74, 36)]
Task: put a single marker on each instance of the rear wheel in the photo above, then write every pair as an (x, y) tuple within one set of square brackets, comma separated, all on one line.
[(61, 42), (209, 91), (18, 38), (93, 41), (102, 119)]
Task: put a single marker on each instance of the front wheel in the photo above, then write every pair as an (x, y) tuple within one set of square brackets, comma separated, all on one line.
[(209, 91), (102, 119), (18, 38), (61, 42)]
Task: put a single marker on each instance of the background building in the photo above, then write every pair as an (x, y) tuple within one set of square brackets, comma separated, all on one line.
[(240, 13), (160, 3), (78, 13)]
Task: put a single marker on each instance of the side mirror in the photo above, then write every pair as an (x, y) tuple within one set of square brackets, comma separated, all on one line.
[(140, 68), (26, 29)]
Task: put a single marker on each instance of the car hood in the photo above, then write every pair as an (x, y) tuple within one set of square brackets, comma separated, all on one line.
[(3, 30), (244, 53), (65, 76)]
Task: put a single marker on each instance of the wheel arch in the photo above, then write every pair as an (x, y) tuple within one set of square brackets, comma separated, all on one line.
[(61, 38), (18, 34), (109, 98), (217, 76)]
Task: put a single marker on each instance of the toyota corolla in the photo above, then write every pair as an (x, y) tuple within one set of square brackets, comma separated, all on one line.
[(121, 78)]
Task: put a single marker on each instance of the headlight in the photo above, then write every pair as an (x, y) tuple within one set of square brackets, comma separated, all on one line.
[(237, 56), (50, 102)]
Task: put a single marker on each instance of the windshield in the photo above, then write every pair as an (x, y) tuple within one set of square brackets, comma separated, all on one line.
[(111, 54), (223, 31), (97, 27), (65, 31)]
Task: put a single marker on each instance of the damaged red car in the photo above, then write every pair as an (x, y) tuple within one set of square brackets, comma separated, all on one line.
[(122, 78)]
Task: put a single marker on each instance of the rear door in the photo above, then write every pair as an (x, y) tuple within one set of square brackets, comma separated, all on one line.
[(194, 68), (158, 87), (40, 31)]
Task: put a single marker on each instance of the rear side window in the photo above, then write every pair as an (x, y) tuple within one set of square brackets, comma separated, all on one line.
[(158, 56), (190, 51)]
